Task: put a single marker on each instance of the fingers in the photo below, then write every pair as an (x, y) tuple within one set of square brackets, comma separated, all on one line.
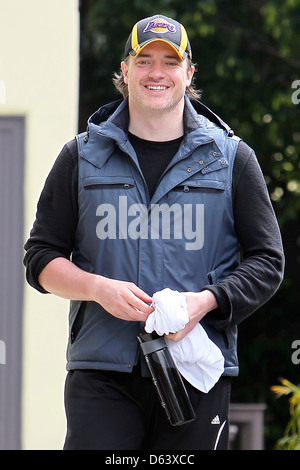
[(138, 301), (123, 299), (140, 294), (177, 336)]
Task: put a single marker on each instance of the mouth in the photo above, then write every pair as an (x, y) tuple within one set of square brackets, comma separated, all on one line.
[(156, 87)]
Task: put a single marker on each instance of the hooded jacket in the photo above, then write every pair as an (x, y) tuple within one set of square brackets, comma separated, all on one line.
[(183, 238)]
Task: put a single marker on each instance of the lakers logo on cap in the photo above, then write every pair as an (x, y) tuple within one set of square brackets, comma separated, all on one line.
[(160, 26)]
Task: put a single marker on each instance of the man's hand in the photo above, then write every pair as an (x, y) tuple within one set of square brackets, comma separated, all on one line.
[(198, 305), (122, 299)]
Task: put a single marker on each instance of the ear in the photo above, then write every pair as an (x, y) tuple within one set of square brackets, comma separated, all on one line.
[(190, 74), (124, 69)]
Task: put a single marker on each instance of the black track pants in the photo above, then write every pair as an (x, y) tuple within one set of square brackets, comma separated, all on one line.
[(114, 410)]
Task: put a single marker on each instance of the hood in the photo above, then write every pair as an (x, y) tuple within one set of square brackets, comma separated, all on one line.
[(203, 110)]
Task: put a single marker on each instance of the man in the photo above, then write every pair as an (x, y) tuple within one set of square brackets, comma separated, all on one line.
[(157, 193)]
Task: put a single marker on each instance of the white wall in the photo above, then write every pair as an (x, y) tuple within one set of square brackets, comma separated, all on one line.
[(39, 68)]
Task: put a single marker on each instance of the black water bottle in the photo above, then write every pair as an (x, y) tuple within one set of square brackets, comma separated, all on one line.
[(167, 380)]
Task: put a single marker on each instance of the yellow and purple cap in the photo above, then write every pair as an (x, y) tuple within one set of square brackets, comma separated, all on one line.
[(158, 28)]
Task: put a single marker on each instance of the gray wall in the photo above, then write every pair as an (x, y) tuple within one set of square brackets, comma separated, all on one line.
[(12, 136)]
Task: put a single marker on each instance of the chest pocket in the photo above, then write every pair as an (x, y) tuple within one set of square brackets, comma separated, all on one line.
[(216, 165), (201, 185), (208, 178), (108, 182)]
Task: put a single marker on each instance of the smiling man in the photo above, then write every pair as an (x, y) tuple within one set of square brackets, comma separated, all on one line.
[(157, 80), (158, 193)]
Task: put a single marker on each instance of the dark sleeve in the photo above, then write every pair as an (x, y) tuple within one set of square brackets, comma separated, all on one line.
[(260, 272), (53, 230)]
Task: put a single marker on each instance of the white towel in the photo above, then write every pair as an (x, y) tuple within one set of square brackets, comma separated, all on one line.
[(170, 314), (197, 358)]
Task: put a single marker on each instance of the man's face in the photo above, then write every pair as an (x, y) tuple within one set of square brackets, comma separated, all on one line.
[(157, 78)]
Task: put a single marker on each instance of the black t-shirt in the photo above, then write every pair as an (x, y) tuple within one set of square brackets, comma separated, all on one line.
[(154, 157)]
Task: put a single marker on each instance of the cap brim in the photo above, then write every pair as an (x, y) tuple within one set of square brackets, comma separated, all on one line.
[(181, 54)]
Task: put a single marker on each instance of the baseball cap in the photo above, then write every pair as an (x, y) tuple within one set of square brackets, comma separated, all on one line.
[(158, 28)]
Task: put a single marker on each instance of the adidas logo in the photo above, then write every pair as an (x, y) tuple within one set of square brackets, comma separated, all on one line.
[(215, 420)]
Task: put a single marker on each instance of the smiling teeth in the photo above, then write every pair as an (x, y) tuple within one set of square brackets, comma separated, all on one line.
[(153, 87)]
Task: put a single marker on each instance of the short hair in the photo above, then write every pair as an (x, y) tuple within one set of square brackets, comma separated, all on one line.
[(121, 86)]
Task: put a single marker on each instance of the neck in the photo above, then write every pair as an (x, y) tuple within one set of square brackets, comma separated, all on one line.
[(155, 124)]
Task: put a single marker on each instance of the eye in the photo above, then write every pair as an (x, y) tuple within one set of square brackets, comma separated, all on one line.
[(142, 62)]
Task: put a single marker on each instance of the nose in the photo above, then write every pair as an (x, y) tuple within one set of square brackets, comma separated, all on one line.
[(156, 71)]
